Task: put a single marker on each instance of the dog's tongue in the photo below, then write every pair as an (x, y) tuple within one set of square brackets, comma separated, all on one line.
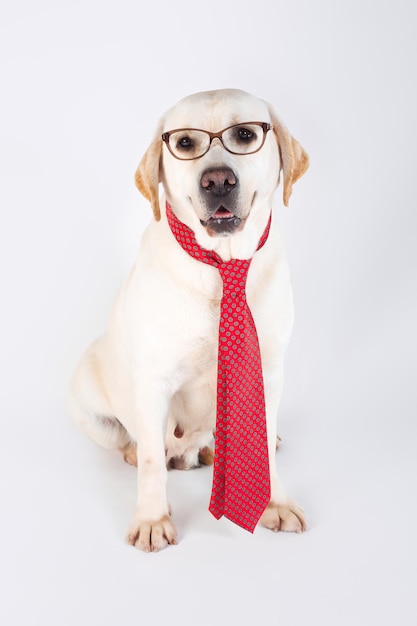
[(222, 213)]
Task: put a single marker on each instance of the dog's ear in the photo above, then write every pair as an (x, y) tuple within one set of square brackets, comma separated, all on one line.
[(294, 159), (148, 177)]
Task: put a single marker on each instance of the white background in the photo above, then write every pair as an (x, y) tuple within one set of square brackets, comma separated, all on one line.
[(82, 85)]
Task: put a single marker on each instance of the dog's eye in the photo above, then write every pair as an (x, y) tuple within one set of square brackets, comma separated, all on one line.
[(184, 143), (245, 135)]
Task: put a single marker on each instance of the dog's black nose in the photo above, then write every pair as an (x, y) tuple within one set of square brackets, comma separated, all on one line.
[(219, 182)]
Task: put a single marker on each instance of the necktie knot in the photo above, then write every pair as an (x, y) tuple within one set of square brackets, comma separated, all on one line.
[(234, 274)]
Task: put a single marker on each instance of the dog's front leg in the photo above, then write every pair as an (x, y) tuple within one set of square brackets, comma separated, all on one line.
[(151, 528), (282, 513)]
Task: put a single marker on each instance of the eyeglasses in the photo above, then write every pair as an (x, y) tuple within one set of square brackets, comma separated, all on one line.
[(192, 143)]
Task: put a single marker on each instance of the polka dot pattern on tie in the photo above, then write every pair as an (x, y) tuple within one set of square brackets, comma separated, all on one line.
[(241, 479)]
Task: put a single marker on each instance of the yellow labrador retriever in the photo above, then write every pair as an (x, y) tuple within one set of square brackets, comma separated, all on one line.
[(148, 386)]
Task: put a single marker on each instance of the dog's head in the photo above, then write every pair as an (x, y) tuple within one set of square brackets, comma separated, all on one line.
[(219, 155)]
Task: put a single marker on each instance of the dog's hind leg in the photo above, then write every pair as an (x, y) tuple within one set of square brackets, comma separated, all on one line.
[(89, 405)]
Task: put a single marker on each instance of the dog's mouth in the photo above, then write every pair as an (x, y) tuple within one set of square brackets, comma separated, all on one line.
[(222, 223)]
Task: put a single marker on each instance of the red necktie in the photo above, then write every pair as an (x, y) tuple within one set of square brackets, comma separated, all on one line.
[(241, 481)]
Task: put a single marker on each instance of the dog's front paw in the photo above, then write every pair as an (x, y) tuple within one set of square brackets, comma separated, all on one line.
[(287, 517), (152, 536)]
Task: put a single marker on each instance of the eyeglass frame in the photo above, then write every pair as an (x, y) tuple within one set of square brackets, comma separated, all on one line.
[(266, 126)]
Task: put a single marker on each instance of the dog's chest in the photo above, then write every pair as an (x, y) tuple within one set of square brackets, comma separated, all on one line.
[(200, 335)]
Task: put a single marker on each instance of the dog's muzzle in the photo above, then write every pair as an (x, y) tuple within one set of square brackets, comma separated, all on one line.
[(219, 189)]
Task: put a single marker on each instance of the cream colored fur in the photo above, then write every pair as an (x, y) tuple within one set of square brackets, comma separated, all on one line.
[(148, 385)]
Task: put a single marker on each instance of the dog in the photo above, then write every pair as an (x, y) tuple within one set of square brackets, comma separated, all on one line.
[(148, 386)]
